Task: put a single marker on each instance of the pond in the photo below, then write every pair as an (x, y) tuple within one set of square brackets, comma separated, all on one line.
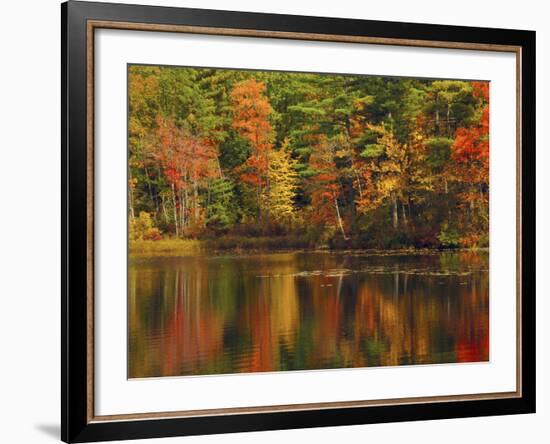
[(204, 315)]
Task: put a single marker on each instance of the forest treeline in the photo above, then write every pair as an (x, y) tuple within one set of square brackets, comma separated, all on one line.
[(339, 160)]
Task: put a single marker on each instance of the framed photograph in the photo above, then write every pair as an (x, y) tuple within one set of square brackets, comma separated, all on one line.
[(276, 221)]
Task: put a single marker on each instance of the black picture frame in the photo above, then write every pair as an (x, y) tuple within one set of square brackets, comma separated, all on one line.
[(76, 423)]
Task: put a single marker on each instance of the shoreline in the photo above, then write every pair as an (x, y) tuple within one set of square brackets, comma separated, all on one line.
[(195, 247)]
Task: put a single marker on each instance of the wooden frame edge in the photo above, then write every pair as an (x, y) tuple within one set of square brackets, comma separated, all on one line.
[(234, 32), (90, 119), (92, 25), (283, 408)]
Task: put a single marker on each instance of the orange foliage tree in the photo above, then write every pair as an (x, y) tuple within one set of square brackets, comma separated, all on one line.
[(325, 187), (251, 112), (470, 155), (187, 163)]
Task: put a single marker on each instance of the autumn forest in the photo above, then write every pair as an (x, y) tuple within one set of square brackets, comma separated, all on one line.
[(254, 159), (293, 221)]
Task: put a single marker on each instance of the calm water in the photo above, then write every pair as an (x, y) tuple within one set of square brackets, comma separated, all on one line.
[(305, 310)]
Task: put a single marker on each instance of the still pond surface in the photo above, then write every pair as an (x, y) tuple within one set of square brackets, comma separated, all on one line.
[(305, 310)]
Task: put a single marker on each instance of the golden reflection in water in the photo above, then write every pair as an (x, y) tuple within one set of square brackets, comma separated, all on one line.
[(299, 311)]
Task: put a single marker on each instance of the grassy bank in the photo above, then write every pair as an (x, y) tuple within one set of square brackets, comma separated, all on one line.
[(165, 247)]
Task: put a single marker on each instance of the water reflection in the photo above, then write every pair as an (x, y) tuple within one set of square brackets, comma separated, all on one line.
[(305, 310)]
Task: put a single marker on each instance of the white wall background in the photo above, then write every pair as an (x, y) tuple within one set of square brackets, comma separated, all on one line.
[(30, 208)]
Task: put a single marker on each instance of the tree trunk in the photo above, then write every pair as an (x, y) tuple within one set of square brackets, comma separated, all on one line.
[(359, 185), (395, 215), (196, 202), (131, 196), (220, 172), (132, 213), (153, 198), (175, 210), (186, 205), (183, 201), (162, 198), (446, 188), (340, 224), (164, 212)]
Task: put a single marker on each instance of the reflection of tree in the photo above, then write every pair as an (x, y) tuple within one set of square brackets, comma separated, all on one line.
[(207, 316)]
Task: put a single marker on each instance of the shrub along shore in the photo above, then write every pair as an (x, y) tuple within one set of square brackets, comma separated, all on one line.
[(246, 245)]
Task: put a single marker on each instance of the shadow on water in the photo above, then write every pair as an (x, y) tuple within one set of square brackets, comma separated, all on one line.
[(306, 310)]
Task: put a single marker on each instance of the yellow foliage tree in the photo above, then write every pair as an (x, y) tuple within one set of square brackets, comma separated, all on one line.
[(142, 228), (392, 171), (282, 180)]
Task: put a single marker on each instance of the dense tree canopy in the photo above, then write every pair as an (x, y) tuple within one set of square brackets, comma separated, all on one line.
[(349, 161)]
